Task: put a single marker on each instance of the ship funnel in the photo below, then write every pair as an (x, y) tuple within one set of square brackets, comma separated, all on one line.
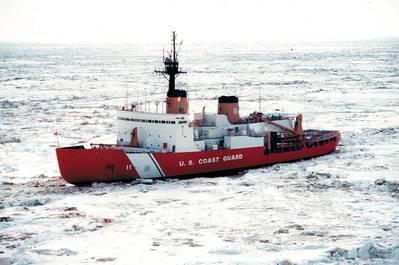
[(228, 105), (298, 124), (176, 102)]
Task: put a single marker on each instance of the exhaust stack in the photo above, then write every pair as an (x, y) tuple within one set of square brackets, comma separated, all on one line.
[(228, 105)]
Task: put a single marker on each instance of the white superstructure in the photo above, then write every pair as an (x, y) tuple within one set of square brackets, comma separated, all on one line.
[(156, 131), (163, 132)]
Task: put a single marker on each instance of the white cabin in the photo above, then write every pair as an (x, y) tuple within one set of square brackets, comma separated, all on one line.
[(156, 131), (162, 132)]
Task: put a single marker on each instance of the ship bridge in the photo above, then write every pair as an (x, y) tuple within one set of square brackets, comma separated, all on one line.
[(155, 131)]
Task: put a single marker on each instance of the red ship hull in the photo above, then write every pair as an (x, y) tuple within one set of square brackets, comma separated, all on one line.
[(78, 165)]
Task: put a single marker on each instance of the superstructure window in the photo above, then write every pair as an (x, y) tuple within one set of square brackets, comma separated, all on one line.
[(150, 121)]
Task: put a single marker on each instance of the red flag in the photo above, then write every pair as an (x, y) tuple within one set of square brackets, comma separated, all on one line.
[(56, 133)]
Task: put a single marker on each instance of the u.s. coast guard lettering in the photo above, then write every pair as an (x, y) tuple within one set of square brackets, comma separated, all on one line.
[(210, 160)]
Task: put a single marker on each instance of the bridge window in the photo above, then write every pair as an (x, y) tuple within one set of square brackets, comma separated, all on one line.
[(150, 121)]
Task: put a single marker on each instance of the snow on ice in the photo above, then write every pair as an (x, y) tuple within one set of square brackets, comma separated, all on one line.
[(336, 209)]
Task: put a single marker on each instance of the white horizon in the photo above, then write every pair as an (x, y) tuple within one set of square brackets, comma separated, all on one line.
[(251, 21)]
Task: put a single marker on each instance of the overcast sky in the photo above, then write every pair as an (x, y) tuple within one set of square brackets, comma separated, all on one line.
[(211, 20)]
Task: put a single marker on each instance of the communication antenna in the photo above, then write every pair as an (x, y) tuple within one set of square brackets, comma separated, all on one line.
[(137, 94), (145, 99), (156, 106), (126, 95), (178, 50), (186, 83)]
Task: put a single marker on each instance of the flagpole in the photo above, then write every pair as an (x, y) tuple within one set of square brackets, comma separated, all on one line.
[(56, 133)]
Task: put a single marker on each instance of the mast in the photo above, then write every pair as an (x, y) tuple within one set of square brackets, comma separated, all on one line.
[(171, 70), (174, 45)]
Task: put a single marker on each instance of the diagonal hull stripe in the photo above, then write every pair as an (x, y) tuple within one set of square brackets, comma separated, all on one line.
[(144, 165), (156, 164)]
